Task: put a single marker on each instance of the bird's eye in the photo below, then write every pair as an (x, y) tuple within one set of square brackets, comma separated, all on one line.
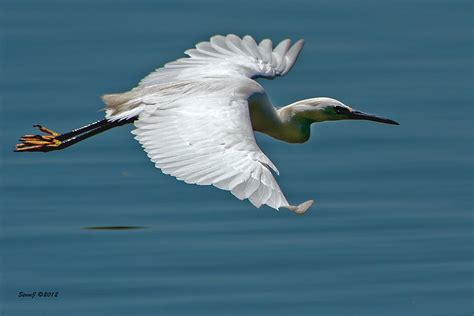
[(341, 110)]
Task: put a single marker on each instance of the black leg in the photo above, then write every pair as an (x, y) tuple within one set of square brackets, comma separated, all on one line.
[(101, 128), (82, 129)]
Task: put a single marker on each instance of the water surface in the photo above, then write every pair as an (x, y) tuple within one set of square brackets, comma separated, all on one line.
[(391, 230)]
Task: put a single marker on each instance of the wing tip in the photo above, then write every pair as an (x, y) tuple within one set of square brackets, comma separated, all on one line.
[(301, 208)]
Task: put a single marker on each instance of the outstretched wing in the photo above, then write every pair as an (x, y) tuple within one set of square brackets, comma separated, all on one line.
[(194, 121), (207, 139), (229, 56), (221, 57)]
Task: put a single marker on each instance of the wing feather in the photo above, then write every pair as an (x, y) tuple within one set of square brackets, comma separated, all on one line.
[(213, 145), (265, 48), (292, 55), (235, 56)]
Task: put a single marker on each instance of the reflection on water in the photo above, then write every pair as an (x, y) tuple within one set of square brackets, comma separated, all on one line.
[(390, 232), (114, 227)]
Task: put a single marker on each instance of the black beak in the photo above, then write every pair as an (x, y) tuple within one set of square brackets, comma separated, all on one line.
[(356, 115)]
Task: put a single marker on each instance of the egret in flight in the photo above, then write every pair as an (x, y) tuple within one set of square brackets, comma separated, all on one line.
[(196, 116)]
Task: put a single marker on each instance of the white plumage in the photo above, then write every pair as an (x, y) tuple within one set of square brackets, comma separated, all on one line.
[(194, 121), (229, 57)]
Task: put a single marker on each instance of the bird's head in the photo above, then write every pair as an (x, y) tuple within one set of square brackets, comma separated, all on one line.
[(327, 109)]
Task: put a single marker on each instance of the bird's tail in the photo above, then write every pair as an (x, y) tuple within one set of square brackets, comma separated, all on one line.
[(120, 106), (113, 100)]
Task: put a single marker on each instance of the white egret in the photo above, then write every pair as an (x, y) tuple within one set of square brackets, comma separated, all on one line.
[(195, 117)]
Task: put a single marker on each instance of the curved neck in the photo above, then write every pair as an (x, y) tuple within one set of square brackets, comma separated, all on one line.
[(293, 127), (284, 124)]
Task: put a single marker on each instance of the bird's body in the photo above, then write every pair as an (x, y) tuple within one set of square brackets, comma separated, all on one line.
[(196, 117)]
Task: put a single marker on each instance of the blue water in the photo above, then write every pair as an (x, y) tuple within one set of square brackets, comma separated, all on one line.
[(392, 229)]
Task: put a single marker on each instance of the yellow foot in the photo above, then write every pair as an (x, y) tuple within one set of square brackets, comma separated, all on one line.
[(39, 142)]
